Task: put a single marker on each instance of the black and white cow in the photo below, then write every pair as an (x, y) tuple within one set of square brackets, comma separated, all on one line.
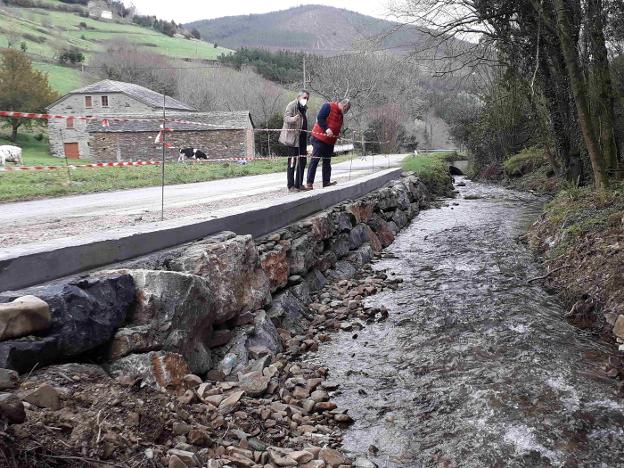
[(191, 153)]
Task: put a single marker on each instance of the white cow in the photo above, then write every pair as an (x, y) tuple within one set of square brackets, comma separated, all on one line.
[(10, 153)]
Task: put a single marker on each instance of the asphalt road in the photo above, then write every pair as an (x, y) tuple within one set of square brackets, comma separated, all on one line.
[(135, 201)]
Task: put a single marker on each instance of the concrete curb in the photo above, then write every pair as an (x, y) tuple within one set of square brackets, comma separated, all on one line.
[(25, 266)]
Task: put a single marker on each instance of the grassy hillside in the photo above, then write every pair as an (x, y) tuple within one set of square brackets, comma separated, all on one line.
[(46, 32), (311, 28)]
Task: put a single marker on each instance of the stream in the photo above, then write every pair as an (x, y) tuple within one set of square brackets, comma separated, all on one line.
[(475, 366)]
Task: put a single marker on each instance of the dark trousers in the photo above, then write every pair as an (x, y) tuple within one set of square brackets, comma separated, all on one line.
[(321, 151), (296, 167)]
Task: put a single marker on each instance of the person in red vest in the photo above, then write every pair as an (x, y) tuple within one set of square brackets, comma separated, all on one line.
[(324, 136)]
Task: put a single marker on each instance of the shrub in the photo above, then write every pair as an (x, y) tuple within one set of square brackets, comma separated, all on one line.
[(72, 55), (525, 162)]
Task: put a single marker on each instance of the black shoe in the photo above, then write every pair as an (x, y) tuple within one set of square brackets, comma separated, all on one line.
[(330, 184)]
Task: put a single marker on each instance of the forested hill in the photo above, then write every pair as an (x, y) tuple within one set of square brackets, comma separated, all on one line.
[(312, 28)]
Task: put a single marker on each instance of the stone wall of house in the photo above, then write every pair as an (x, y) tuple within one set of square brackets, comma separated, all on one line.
[(118, 104), (110, 147)]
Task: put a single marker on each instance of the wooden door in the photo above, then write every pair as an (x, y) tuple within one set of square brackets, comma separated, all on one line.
[(72, 151)]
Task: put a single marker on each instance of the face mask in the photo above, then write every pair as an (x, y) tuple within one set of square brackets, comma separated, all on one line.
[(303, 102)]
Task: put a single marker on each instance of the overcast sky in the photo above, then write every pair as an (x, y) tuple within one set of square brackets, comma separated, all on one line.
[(184, 11)]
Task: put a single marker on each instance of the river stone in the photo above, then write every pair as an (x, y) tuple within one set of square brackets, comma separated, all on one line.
[(332, 457), (12, 409), (44, 396), (162, 370), (85, 314), (276, 267), (175, 312), (618, 328), (8, 379), (233, 273), (254, 383), (400, 218), (24, 316)]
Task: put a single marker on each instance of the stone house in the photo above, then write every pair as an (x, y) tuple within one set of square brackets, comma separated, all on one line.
[(222, 133), (105, 98), (218, 134)]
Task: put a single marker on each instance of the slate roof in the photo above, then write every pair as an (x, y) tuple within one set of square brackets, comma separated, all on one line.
[(140, 93), (215, 121)]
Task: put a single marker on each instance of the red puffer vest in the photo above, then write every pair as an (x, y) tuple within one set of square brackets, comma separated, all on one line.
[(334, 121)]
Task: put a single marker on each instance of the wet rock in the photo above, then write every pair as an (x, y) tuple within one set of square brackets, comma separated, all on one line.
[(159, 369), (233, 272), (24, 316), (332, 457), (364, 463), (8, 379), (85, 314), (12, 409), (44, 396), (275, 265)]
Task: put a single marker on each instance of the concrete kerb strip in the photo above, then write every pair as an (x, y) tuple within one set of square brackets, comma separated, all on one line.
[(28, 265)]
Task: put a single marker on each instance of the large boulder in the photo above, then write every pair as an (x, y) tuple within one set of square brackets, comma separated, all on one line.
[(85, 314), (382, 229), (340, 244), (24, 316), (232, 270), (290, 312), (321, 227), (342, 221), (174, 312)]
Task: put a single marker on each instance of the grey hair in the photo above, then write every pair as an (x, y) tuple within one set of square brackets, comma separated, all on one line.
[(302, 92)]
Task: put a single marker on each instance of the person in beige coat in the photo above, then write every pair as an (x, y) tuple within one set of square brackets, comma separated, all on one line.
[(294, 138)]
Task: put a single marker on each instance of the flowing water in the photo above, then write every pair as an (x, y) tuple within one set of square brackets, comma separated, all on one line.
[(475, 367)]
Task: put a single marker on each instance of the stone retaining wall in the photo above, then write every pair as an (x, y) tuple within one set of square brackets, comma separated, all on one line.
[(215, 306)]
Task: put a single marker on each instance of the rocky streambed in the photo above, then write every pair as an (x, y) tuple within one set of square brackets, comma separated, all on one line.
[(476, 365)]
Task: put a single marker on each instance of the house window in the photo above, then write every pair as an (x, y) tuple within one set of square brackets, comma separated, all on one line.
[(88, 102), (70, 122), (104, 101)]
